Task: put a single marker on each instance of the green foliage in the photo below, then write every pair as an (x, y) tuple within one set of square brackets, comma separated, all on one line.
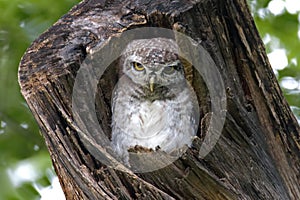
[(284, 30), (21, 144)]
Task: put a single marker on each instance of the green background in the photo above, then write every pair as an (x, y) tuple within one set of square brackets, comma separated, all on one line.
[(25, 166)]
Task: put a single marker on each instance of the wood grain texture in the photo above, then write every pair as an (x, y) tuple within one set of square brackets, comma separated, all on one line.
[(257, 156)]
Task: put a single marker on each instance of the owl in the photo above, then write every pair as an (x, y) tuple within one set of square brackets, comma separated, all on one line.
[(153, 105)]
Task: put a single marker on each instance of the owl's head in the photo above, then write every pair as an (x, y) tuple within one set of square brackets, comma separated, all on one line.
[(153, 62)]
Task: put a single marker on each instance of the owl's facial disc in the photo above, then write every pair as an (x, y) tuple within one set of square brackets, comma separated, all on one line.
[(153, 75), (138, 67)]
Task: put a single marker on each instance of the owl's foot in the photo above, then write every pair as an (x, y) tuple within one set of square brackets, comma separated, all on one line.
[(140, 149)]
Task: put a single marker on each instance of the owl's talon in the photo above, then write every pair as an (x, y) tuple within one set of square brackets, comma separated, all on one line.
[(139, 149)]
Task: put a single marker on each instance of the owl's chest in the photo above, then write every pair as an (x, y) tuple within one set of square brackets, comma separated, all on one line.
[(150, 118), (145, 118), (151, 113)]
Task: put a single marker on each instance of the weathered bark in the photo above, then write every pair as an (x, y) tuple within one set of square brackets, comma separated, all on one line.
[(257, 155)]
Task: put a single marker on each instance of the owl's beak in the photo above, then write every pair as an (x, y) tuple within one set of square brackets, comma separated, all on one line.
[(151, 83)]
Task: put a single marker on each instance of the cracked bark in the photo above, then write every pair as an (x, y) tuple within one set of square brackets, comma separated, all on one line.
[(257, 155)]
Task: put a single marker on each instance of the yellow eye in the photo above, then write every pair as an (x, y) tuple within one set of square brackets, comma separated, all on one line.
[(138, 66), (169, 70)]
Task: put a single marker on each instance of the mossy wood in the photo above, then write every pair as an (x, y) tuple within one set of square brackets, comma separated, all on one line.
[(257, 155)]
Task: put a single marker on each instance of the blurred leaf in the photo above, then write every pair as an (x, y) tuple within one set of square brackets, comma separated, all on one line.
[(20, 23), (283, 31), (23, 21)]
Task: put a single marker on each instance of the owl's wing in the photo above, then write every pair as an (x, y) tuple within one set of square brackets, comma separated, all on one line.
[(196, 110)]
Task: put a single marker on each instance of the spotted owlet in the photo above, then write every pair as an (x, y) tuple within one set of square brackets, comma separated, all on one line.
[(153, 105)]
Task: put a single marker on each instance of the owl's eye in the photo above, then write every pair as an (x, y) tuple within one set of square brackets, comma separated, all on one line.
[(169, 70), (138, 66)]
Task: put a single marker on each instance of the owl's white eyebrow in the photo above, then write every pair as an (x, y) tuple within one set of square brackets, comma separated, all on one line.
[(173, 63), (134, 58)]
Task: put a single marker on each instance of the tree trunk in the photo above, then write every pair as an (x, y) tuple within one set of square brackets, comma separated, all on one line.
[(257, 155)]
